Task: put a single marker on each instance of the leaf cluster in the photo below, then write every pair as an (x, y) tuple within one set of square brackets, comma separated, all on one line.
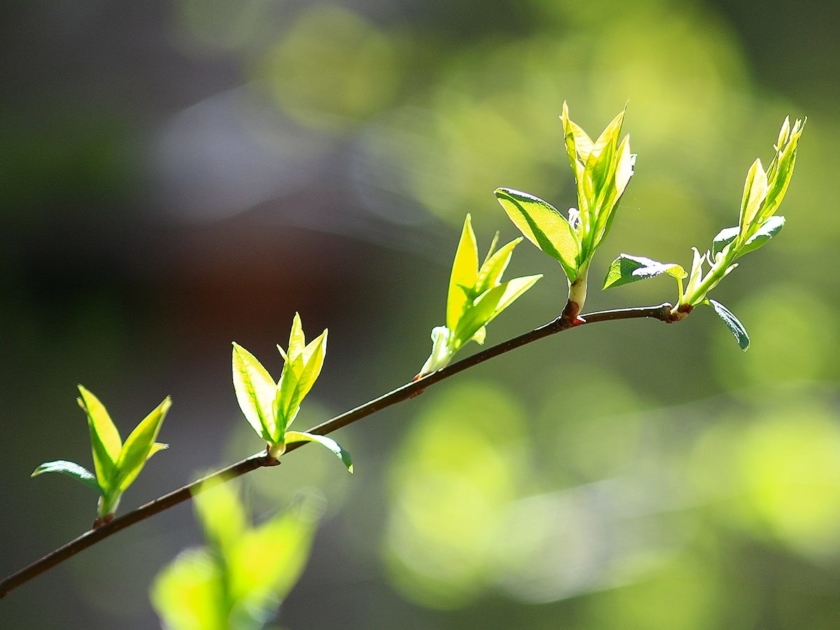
[(603, 169), (476, 296), (757, 224), (270, 407), (115, 463)]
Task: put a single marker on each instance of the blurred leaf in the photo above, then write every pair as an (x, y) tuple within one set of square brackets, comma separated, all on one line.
[(221, 513), (626, 269), (732, 323), (188, 594), (70, 469), (246, 572)]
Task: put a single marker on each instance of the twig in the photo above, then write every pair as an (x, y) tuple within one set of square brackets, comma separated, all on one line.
[(261, 460)]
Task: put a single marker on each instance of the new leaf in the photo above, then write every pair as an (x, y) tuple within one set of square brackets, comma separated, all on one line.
[(116, 465)]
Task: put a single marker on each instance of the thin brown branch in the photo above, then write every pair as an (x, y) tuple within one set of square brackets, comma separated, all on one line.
[(260, 460)]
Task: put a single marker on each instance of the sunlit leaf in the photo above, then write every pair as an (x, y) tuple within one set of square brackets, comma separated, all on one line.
[(313, 361), (768, 230), (781, 168), (578, 143), (544, 226), (755, 192), (332, 445), (732, 323), (464, 272), (601, 163), (611, 192), (493, 268), (255, 391), (301, 370), (70, 469), (723, 238), (297, 340), (104, 438), (490, 304), (140, 445), (626, 269)]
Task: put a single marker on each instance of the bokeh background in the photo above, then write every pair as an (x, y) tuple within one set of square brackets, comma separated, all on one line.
[(176, 175)]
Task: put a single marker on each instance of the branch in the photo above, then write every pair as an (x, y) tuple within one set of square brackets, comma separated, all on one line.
[(261, 460)]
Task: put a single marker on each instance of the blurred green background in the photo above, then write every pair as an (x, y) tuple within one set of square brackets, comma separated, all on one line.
[(176, 175)]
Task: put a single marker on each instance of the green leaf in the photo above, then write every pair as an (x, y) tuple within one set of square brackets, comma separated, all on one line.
[(286, 541), (544, 226), (768, 230), (255, 391), (464, 273), (221, 513), (732, 323), (490, 304), (140, 446), (298, 377), (611, 192), (755, 192), (104, 439), (332, 445), (491, 271), (781, 168), (695, 279), (297, 340), (599, 179), (70, 469), (189, 593), (626, 269), (723, 238), (578, 144)]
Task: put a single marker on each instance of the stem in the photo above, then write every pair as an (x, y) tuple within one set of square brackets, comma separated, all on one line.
[(263, 459), (577, 296), (712, 279)]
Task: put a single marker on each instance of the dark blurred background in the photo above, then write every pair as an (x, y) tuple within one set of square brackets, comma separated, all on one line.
[(176, 175)]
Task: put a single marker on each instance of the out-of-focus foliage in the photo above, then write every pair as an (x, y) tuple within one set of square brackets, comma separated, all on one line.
[(238, 580)]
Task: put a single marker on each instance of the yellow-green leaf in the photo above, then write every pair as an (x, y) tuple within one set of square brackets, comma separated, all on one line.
[(755, 191), (544, 226), (140, 445), (464, 273), (104, 439), (255, 391)]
